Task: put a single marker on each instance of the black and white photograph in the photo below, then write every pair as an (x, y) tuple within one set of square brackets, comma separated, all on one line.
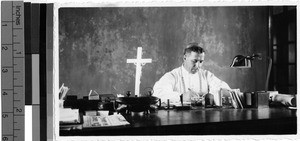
[(154, 70), (176, 70)]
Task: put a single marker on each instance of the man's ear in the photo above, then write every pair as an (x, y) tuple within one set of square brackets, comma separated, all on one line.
[(184, 57)]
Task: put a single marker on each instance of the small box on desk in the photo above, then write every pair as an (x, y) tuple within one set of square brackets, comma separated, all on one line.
[(259, 99), (101, 97)]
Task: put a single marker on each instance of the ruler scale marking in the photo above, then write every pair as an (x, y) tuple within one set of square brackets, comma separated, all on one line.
[(12, 70)]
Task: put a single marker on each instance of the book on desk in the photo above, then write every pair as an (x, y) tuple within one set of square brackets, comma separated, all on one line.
[(69, 116), (88, 113), (231, 99), (70, 119), (104, 121)]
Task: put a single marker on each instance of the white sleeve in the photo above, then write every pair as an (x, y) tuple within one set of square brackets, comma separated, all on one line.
[(163, 89)]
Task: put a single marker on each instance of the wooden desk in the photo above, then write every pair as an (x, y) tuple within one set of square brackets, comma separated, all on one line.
[(202, 122)]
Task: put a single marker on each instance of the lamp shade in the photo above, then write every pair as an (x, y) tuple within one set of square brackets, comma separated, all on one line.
[(241, 61)]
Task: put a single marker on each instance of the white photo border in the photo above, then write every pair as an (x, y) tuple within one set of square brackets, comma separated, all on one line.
[(152, 3)]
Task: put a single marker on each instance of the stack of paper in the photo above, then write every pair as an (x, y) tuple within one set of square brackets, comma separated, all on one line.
[(237, 98), (68, 115)]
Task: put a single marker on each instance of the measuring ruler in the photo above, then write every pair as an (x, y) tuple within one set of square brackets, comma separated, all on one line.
[(12, 70)]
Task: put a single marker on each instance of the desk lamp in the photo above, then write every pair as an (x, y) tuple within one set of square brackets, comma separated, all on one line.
[(241, 61)]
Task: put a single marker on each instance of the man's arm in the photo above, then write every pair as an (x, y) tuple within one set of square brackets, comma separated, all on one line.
[(163, 88)]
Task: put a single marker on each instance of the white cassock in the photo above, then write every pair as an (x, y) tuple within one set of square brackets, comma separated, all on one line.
[(178, 81)]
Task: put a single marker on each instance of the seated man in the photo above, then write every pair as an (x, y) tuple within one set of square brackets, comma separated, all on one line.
[(189, 80)]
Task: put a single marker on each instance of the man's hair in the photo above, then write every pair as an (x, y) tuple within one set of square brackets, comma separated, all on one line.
[(193, 47)]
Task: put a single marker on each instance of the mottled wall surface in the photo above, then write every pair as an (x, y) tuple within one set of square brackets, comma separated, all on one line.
[(94, 44)]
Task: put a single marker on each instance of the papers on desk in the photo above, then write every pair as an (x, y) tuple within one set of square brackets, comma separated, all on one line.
[(68, 115), (284, 99), (237, 98), (97, 113), (178, 104), (104, 121), (231, 99)]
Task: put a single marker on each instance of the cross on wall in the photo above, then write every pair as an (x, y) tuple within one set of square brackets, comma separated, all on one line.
[(139, 62)]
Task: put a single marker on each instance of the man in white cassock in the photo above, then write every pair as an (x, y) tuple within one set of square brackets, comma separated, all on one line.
[(189, 80)]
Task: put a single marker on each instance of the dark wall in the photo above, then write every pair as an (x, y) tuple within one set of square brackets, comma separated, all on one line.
[(94, 44)]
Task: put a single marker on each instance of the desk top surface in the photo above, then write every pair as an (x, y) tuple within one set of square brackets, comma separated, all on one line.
[(201, 121), (198, 116)]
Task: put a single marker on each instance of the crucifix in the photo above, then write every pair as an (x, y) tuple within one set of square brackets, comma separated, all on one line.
[(139, 62)]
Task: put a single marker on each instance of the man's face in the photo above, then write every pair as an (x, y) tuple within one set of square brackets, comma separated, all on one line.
[(193, 61)]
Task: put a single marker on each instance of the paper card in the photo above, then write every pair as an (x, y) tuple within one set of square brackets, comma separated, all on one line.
[(102, 113), (91, 113)]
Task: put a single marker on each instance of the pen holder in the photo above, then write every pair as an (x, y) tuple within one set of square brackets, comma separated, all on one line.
[(209, 100)]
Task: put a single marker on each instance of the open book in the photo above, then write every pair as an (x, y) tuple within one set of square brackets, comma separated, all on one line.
[(104, 121)]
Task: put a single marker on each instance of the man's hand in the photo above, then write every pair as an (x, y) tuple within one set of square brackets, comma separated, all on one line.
[(187, 96)]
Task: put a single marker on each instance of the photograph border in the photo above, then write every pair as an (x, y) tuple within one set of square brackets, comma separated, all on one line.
[(153, 3)]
